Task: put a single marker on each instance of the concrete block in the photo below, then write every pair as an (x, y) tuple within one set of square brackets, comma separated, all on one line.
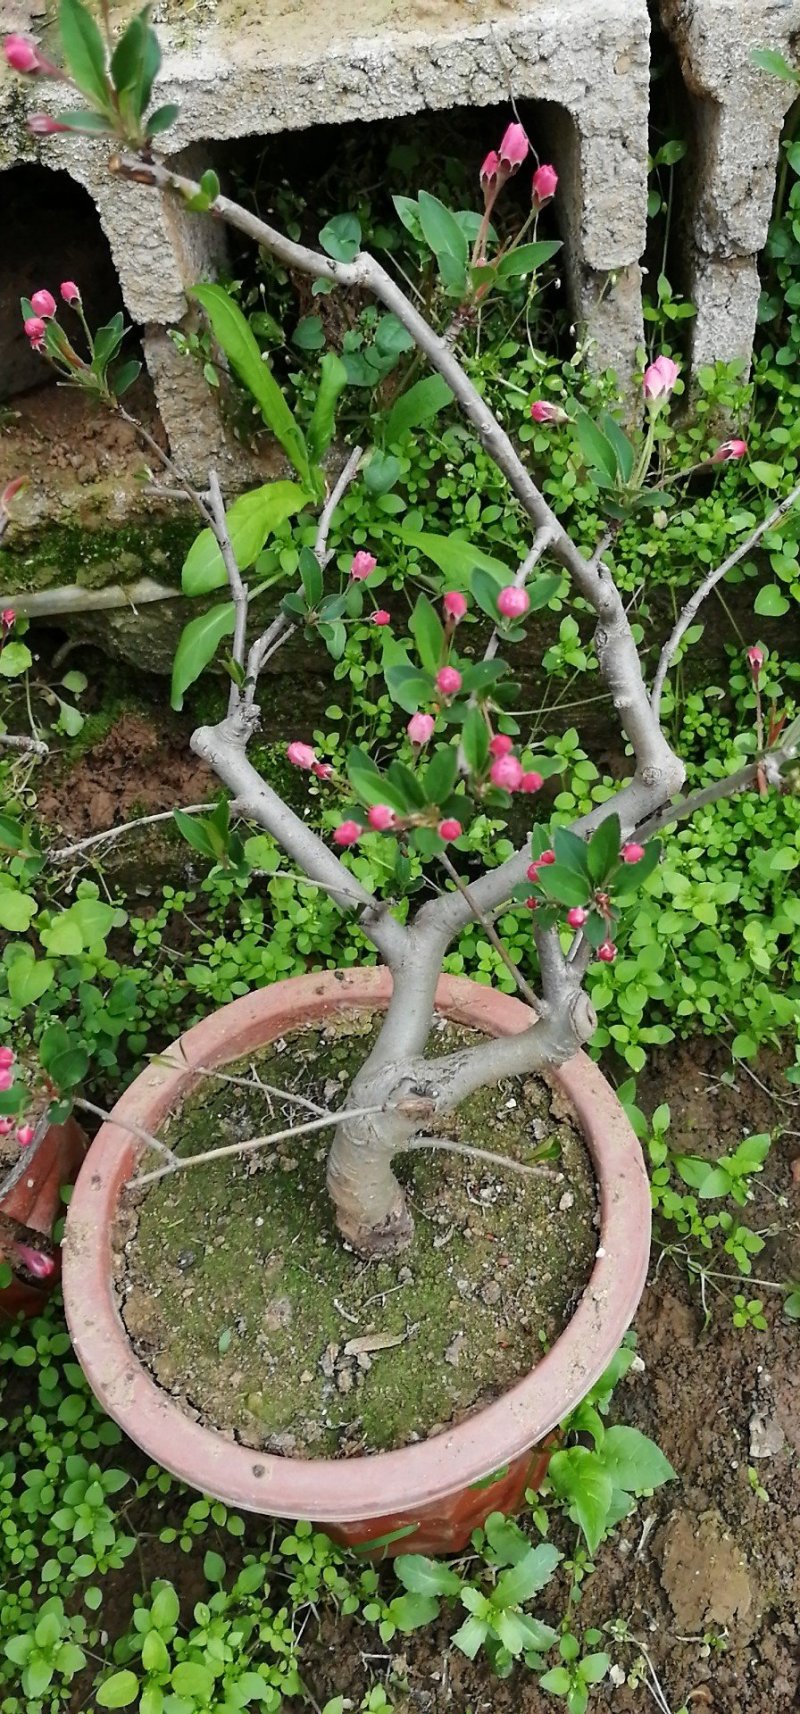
[(738, 114)]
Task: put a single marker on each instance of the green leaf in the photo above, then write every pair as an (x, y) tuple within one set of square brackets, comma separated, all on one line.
[(191, 1678), (311, 575), (198, 644), (594, 1667), (162, 119), (572, 852), (423, 1576), (332, 382), (12, 834), (165, 1609), (370, 786), (407, 687), (341, 238), (527, 1577), (623, 449), (419, 405), (475, 741), (428, 633), (232, 331), (557, 1680), (16, 658), (381, 472), (597, 450), (135, 63), (155, 1655), (579, 1477), (564, 885), (770, 602), (445, 238), (456, 558), (309, 334), (118, 1691), (84, 52), (251, 520), (506, 1539), (632, 1461), (766, 59), (408, 211), (441, 773), (29, 979), (469, 1636), (17, 910), (124, 377), (604, 848), (527, 258), (631, 876)]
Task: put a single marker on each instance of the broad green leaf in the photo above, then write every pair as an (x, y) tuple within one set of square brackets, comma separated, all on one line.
[(408, 210), (441, 773), (29, 979), (597, 450), (191, 1678), (456, 558), (135, 63), (527, 1577), (198, 643), (118, 1691), (332, 382), (371, 786), (579, 1477), (341, 238), (16, 658), (475, 741), (633, 875), (84, 52), (423, 1576), (632, 1461), (594, 1667), (419, 405), (557, 1680), (428, 633), (767, 59), (571, 851), (17, 910), (12, 834), (309, 334), (155, 1654), (506, 1539), (604, 848), (623, 450), (232, 331), (469, 1636), (165, 1608), (770, 602), (407, 687), (381, 472), (564, 885), (311, 575), (251, 520), (162, 119), (527, 258)]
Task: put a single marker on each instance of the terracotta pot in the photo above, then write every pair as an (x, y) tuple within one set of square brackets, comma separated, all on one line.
[(428, 1496), (33, 1200)]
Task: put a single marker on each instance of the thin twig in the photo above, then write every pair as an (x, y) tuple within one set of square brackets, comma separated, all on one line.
[(238, 587), (256, 1082), (186, 1161), (454, 1148), (686, 616), (337, 493), (492, 935), (65, 852), (18, 741), (182, 481), (126, 1125)]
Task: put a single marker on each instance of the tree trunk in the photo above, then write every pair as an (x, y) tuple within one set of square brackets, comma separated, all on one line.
[(371, 1211)]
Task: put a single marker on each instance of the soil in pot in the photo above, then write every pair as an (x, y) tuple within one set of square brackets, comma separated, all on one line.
[(239, 1296)]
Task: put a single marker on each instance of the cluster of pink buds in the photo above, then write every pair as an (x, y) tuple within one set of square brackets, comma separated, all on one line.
[(303, 756), (659, 382), (25, 1133), (578, 915), (382, 819), (501, 164), (507, 771)]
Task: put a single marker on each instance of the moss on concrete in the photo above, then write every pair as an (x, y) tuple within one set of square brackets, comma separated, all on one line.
[(94, 558), (239, 1295)]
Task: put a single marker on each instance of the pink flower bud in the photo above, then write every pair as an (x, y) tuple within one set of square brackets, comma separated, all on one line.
[(35, 331), (513, 602), (531, 782), (632, 853), (363, 563), (7, 1057), (322, 770), (755, 659), (544, 186), (8, 618), (380, 816), (454, 606), (542, 412), (23, 55), (501, 744), (506, 771), (43, 303), (70, 292), (25, 1135), (449, 829), (448, 681), (729, 451), (6, 1125), (300, 755), (547, 856), (36, 1262), (577, 916), (381, 617), (346, 833), (41, 125), (532, 871), (513, 148), (6, 1077), (490, 170), (607, 952), (420, 728), (659, 380), (11, 489)]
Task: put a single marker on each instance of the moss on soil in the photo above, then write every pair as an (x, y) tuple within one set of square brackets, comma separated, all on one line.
[(242, 1300), (66, 554)]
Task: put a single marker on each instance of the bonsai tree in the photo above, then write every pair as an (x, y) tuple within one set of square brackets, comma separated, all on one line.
[(458, 742)]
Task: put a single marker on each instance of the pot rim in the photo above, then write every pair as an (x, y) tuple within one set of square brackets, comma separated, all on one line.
[(371, 1485)]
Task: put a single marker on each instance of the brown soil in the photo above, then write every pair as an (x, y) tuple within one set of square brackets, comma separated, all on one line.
[(241, 1299), (133, 770)]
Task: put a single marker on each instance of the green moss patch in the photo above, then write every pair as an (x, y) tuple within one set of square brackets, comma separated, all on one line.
[(240, 1297)]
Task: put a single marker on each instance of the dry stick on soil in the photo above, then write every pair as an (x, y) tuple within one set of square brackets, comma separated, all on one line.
[(183, 1163), (476, 1154), (256, 1082), (18, 741), (710, 582), (65, 852)]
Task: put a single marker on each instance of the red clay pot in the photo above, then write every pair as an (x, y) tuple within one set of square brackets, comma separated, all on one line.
[(34, 1199), (429, 1496)]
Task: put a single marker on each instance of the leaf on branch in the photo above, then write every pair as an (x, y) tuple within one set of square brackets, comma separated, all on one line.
[(198, 644), (233, 332)]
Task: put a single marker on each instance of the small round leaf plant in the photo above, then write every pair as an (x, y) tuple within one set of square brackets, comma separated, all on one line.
[(397, 853)]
